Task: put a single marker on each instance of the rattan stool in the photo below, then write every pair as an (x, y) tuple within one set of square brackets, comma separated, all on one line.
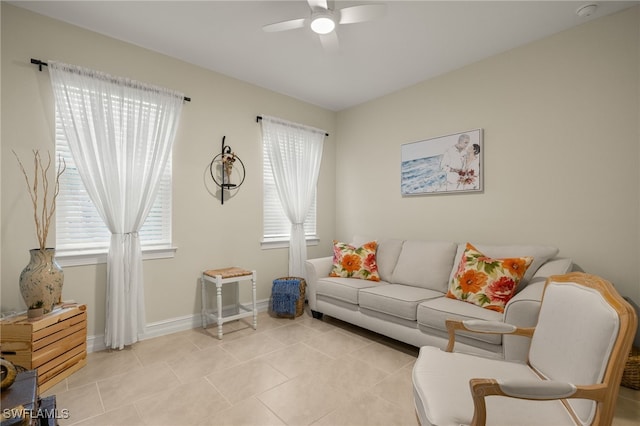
[(220, 277)]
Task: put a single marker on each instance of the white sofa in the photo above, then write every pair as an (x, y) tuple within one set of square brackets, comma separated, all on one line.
[(409, 302)]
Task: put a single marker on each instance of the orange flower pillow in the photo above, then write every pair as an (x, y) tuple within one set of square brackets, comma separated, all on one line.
[(486, 282), (355, 262)]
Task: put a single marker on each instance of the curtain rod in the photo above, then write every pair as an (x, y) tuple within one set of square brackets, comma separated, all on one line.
[(258, 118), (40, 64)]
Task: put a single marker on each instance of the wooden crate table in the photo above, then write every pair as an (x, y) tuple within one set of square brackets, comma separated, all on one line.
[(224, 276), (55, 345)]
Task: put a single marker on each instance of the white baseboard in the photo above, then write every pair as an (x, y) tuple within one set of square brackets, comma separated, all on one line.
[(162, 328)]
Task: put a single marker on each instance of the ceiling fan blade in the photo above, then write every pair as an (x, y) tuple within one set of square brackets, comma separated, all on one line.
[(284, 25), (366, 12), (330, 42), (318, 4)]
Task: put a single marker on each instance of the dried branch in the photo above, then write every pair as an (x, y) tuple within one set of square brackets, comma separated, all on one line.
[(62, 166), (45, 191), (43, 215)]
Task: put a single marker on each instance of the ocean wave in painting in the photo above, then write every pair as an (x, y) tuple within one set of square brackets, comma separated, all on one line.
[(422, 175)]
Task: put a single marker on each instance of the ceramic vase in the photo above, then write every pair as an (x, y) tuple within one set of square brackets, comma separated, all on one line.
[(41, 280)]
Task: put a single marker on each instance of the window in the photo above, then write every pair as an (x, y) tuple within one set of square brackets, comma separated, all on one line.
[(80, 231), (276, 224)]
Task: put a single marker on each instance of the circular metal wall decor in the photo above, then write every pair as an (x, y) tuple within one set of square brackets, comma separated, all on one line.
[(227, 170)]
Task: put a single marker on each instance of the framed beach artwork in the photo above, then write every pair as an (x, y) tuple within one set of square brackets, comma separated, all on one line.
[(443, 165)]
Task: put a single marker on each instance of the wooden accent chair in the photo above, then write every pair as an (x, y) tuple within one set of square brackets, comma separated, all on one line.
[(578, 351)]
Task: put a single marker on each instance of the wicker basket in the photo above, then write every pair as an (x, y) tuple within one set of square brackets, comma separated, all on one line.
[(300, 302), (631, 374)]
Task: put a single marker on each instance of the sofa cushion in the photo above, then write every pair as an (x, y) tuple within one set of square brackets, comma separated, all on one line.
[(540, 254), (395, 299), (425, 264), (355, 262), (386, 255), (486, 281), (432, 313), (345, 289)]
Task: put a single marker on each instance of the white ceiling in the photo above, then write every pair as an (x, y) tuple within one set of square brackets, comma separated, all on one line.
[(415, 41)]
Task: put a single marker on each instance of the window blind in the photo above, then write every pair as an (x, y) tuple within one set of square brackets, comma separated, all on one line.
[(78, 224), (276, 224)]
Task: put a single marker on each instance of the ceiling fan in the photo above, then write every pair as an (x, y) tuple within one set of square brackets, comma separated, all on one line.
[(324, 20)]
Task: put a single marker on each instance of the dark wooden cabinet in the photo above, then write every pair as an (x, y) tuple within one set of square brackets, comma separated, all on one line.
[(21, 405)]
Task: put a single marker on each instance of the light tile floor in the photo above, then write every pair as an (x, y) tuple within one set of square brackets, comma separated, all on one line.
[(288, 372)]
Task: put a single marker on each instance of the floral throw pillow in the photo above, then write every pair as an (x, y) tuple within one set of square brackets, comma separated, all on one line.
[(486, 282), (355, 262)]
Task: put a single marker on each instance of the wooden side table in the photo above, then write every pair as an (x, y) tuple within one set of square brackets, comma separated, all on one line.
[(224, 276)]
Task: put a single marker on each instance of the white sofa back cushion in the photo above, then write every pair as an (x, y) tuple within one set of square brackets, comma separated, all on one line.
[(425, 264), (386, 255)]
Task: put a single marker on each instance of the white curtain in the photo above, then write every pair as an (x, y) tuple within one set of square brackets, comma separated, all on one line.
[(295, 153), (120, 133)]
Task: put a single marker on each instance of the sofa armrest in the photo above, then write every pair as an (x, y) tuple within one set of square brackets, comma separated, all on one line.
[(523, 308), (522, 311), (316, 269)]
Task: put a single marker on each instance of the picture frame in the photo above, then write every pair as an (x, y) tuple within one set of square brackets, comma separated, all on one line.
[(443, 165)]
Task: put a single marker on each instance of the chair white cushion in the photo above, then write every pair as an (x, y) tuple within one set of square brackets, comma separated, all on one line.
[(442, 394), (568, 353)]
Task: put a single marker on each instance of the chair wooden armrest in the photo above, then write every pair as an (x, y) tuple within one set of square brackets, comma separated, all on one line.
[(528, 389), (479, 326)]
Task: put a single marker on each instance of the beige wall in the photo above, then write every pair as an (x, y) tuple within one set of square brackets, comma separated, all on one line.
[(561, 127), (206, 233), (1, 238), (561, 139)]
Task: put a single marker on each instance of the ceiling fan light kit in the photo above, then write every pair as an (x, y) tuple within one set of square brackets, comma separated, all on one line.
[(323, 22)]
